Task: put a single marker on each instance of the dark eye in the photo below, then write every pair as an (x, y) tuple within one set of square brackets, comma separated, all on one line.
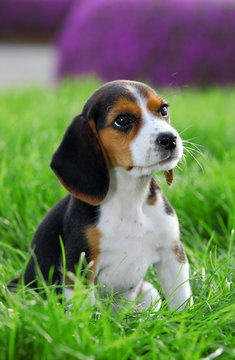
[(163, 110), (122, 120)]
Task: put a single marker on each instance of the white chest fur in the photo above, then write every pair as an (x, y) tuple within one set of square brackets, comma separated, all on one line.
[(134, 233)]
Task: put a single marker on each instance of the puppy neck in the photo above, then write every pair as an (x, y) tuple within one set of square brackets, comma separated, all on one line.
[(127, 190)]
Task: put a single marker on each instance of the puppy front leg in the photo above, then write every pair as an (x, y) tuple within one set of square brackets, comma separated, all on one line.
[(173, 272)]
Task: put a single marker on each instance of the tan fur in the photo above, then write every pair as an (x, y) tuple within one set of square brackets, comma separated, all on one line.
[(152, 199), (116, 143), (178, 250), (169, 176), (125, 106), (154, 102), (93, 236)]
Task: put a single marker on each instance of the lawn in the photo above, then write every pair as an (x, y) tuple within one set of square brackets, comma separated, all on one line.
[(32, 123)]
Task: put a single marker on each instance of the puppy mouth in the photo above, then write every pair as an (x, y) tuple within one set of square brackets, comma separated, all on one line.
[(160, 163), (166, 158)]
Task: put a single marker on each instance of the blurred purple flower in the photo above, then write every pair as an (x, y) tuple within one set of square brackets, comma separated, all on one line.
[(175, 42), (32, 15)]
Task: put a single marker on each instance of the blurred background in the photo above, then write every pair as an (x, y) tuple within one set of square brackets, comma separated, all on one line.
[(165, 43)]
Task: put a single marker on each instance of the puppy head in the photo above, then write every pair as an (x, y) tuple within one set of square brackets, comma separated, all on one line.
[(136, 131), (124, 123)]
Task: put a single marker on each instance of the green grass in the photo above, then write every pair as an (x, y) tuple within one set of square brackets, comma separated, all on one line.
[(32, 123)]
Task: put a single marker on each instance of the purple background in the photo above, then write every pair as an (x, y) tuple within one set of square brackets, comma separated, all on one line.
[(171, 42)]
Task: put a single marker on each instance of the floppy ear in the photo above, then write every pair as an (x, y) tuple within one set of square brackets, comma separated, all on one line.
[(169, 176), (80, 162)]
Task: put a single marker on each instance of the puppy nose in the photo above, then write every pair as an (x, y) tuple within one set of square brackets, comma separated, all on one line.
[(167, 141)]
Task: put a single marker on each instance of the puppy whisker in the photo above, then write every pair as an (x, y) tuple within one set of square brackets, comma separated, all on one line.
[(193, 146), (193, 150), (183, 131), (194, 157)]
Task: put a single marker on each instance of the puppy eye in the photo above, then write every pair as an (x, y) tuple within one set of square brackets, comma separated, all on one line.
[(122, 120), (163, 110)]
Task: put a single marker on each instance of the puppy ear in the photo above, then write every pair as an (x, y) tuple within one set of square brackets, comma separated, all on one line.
[(80, 162), (169, 176)]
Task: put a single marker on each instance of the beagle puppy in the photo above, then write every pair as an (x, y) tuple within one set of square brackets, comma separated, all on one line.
[(115, 212)]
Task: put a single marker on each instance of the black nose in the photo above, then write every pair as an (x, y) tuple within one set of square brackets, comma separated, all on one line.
[(167, 141)]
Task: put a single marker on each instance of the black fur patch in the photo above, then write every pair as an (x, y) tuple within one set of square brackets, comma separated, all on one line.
[(168, 208), (67, 219), (79, 162)]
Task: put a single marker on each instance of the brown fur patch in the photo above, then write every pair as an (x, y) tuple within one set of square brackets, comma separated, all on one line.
[(178, 250), (124, 106), (154, 103), (152, 198), (93, 236), (169, 176), (117, 143)]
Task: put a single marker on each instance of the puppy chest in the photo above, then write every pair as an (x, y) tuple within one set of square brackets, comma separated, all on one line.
[(122, 270), (127, 249), (131, 241), (145, 229)]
